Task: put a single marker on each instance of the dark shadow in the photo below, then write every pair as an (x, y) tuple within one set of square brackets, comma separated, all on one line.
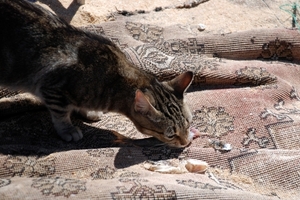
[(128, 156), (32, 133), (66, 14), (21, 136)]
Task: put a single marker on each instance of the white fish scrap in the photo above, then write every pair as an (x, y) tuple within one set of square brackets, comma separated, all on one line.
[(212, 176), (220, 145), (216, 144), (196, 166), (175, 166)]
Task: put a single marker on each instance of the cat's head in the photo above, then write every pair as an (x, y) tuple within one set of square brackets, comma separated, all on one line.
[(160, 111)]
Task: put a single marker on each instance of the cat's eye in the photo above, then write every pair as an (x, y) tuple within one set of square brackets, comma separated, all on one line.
[(169, 133)]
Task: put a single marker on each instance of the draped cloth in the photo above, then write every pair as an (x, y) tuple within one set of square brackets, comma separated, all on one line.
[(246, 92)]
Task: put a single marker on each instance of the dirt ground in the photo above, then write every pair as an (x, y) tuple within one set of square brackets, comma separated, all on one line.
[(218, 16)]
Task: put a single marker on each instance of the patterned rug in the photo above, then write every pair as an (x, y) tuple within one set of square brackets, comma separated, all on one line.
[(246, 93)]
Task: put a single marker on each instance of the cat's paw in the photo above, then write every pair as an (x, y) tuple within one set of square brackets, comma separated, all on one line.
[(91, 115), (74, 134)]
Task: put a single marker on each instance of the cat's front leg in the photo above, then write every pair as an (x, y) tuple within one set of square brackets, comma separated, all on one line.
[(64, 127), (91, 115), (60, 111)]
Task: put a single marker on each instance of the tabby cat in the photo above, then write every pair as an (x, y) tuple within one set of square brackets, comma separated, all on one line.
[(73, 70)]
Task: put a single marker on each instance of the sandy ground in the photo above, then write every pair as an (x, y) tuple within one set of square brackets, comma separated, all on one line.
[(218, 16)]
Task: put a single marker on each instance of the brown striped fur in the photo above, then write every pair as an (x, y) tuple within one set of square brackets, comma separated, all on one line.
[(73, 70)]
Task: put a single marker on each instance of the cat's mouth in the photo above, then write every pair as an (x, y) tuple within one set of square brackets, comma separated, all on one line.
[(184, 142), (179, 141)]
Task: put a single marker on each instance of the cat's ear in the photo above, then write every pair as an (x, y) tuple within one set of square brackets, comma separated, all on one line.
[(181, 83), (142, 104)]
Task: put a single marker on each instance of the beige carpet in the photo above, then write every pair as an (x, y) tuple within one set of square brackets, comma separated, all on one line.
[(245, 93)]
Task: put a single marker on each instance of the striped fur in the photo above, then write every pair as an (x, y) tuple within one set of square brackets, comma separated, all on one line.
[(72, 70)]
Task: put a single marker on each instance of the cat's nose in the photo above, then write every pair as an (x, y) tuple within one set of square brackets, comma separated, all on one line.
[(192, 133)]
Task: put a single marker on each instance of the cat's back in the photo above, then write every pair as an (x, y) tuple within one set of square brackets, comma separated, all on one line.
[(30, 25), (32, 39), (21, 13), (25, 30)]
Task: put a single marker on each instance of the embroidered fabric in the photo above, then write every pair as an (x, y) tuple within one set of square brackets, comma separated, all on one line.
[(245, 93)]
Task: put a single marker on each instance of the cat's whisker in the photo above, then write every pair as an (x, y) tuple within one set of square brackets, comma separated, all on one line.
[(160, 145)]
